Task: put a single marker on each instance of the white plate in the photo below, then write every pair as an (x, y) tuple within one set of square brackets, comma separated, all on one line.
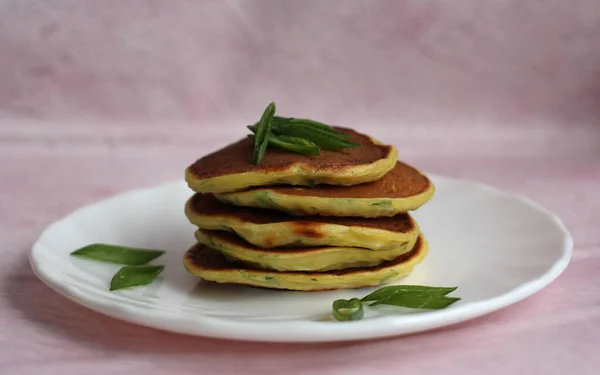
[(496, 247)]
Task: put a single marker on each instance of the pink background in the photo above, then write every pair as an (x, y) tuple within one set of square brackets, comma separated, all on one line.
[(101, 96)]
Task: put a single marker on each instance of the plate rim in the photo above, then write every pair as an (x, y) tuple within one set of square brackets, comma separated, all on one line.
[(298, 332)]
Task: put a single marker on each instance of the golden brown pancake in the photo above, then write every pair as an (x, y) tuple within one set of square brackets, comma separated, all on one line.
[(402, 189), (210, 265), (231, 168), (401, 182), (269, 229), (316, 259)]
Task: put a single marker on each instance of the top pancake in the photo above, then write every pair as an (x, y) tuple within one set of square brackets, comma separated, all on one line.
[(231, 168)]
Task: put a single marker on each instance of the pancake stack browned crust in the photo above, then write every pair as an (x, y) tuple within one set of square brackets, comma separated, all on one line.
[(340, 219), (231, 169)]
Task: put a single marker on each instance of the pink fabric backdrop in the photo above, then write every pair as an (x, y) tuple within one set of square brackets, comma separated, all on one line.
[(94, 92), (388, 61)]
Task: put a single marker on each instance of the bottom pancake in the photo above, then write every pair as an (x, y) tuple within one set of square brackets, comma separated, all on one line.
[(313, 259), (210, 265)]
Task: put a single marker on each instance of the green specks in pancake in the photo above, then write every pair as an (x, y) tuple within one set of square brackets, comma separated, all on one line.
[(314, 279), (257, 278), (211, 242), (263, 198), (244, 274), (392, 274), (267, 256), (382, 204)]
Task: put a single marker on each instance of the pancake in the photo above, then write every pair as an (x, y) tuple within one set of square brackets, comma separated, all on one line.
[(402, 189), (316, 259), (231, 169), (269, 229), (210, 265)]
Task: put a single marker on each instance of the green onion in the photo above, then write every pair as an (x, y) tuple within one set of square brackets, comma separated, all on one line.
[(312, 126), (391, 290), (411, 296), (321, 138), (416, 301), (294, 144), (296, 135), (300, 145), (317, 125), (135, 276), (130, 256), (263, 132), (346, 310)]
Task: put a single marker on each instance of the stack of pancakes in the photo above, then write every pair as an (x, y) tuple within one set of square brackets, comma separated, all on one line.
[(336, 220)]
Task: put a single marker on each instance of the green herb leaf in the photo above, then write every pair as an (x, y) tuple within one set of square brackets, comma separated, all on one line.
[(416, 301), (382, 203), (301, 136), (296, 140), (321, 138), (312, 126), (276, 123), (280, 123), (117, 254), (390, 291), (411, 296), (135, 276), (345, 310), (294, 144), (318, 125), (263, 132)]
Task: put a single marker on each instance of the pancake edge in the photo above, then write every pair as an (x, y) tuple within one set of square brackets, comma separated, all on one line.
[(295, 174), (297, 259), (285, 233), (307, 205), (306, 281)]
